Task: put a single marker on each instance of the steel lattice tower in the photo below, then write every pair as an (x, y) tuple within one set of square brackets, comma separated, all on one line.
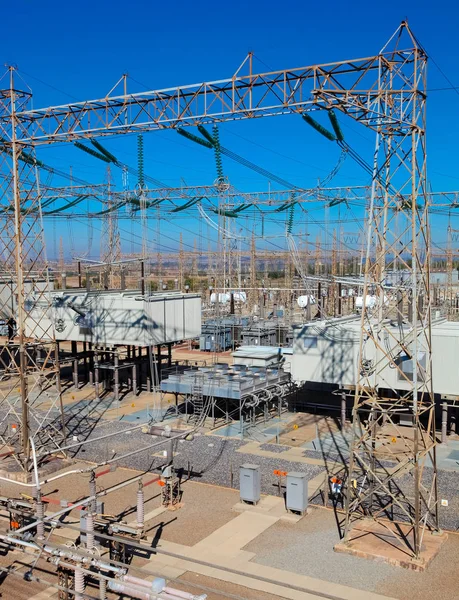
[(406, 487), (30, 392), (110, 237)]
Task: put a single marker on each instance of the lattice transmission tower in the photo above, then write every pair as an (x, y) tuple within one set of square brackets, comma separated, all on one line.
[(394, 468), (110, 250), (30, 392)]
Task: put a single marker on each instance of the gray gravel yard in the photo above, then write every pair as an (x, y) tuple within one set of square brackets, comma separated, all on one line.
[(210, 459), (307, 548), (215, 460)]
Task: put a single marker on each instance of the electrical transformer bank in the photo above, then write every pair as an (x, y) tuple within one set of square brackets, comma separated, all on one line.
[(117, 318)]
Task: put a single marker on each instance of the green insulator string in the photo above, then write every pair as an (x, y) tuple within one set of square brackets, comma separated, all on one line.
[(218, 154), (209, 142), (188, 204), (209, 137), (291, 217), (148, 204), (23, 156), (48, 201), (242, 207), (104, 151), (92, 152), (112, 208), (318, 127), (30, 160), (140, 164), (224, 213), (336, 126), (337, 201), (66, 206), (285, 206), (194, 138)]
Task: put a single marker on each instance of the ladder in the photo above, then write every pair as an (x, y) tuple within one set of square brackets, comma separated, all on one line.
[(197, 397)]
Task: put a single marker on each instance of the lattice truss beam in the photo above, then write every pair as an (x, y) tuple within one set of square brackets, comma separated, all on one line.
[(170, 199), (352, 86)]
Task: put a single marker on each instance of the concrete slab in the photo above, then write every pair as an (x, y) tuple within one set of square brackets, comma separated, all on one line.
[(316, 484), (262, 432), (373, 541), (238, 532), (448, 455), (50, 592), (269, 505), (264, 506)]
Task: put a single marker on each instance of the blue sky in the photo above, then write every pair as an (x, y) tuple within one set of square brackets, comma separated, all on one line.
[(66, 51)]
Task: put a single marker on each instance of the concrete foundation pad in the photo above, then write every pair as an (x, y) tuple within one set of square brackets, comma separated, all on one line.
[(269, 505), (374, 541)]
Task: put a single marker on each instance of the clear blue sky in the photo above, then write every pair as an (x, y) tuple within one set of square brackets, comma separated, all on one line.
[(81, 50)]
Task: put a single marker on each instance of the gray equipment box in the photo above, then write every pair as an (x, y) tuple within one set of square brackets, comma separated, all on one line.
[(406, 420), (297, 492), (249, 483)]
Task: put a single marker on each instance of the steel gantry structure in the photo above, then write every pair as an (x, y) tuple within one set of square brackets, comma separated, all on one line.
[(178, 197), (384, 92)]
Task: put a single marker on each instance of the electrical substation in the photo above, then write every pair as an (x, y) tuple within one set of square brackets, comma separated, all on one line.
[(215, 411)]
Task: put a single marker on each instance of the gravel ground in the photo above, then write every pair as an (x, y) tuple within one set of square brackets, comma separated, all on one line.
[(307, 548), (439, 581), (210, 459), (274, 448), (448, 489), (213, 459)]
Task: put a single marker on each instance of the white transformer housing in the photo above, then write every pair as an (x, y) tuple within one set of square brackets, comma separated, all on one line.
[(9, 293), (370, 301), (327, 352), (239, 297), (303, 301), (223, 298), (117, 318)]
